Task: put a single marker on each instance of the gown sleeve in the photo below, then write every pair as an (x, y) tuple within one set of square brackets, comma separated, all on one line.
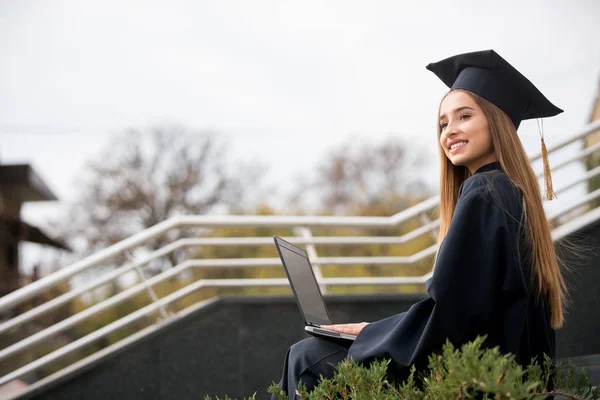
[(462, 294)]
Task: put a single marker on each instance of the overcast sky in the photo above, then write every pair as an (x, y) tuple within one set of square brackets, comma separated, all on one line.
[(285, 81)]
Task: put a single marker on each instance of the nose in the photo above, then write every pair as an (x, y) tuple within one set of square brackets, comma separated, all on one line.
[(451, 130)]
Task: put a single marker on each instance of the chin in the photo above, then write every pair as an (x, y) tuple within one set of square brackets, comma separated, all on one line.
[(459, 162)]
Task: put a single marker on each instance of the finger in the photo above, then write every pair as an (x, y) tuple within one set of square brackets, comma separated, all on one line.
[(335, 328), (345, 328)]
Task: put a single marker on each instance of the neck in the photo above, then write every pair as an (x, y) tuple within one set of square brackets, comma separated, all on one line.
[(480, 162)]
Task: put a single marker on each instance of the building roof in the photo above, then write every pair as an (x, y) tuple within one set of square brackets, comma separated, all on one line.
[(23, 183), (21, 230)]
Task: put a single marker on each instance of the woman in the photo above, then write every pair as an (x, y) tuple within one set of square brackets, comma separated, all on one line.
[(496, 271)]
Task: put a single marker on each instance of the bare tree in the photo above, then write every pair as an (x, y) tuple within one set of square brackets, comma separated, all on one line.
[(142, 179), (359, 174)]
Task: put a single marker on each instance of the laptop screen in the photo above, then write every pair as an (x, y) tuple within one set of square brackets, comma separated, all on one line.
[(304, 285)]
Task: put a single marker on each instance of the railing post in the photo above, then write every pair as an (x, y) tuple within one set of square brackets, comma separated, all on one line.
[(153, 297), (306, 233), (426, 220)]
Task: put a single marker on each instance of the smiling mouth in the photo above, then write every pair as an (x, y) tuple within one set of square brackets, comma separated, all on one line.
[(457, 146)]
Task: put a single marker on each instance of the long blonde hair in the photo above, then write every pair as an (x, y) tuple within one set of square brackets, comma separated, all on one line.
[(516, 165)]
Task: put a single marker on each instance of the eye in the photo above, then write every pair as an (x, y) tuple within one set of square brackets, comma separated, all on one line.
[(443, 125), (465, 116)]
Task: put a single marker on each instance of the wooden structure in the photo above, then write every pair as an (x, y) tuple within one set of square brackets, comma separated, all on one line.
[(19, 184)]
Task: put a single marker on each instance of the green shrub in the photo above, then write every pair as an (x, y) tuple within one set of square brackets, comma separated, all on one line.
[(468, 373)]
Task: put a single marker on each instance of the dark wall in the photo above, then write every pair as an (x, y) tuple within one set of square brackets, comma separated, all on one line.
[(581, 333)]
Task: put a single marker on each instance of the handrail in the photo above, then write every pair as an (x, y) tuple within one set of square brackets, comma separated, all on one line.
[(582, 133), (61, 275), (576, 224), (189, 242)]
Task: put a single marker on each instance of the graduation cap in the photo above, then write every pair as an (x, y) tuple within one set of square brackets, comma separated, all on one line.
[(490, 76), (493, 78)]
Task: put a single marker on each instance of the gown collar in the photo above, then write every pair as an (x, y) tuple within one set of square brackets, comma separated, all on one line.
[(495, 166)]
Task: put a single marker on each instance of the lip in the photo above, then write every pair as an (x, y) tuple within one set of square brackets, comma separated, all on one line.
[(450, 143)]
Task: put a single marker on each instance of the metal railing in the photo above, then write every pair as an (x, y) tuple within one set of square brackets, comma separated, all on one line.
[(303, 227)]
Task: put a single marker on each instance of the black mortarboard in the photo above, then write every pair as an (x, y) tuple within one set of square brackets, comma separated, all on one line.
[(493, 78)]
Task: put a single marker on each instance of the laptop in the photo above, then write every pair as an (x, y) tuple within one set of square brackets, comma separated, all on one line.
[(306, 290)]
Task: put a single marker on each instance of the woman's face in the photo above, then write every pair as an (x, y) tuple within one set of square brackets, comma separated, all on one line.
[(465, 134)]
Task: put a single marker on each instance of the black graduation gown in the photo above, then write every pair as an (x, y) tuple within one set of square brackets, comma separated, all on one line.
[(481, 285)]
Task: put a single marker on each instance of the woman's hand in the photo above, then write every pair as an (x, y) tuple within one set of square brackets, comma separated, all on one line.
[(351, 329)]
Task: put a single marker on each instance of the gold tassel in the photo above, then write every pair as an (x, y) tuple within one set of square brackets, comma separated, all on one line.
[(549, 195)]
